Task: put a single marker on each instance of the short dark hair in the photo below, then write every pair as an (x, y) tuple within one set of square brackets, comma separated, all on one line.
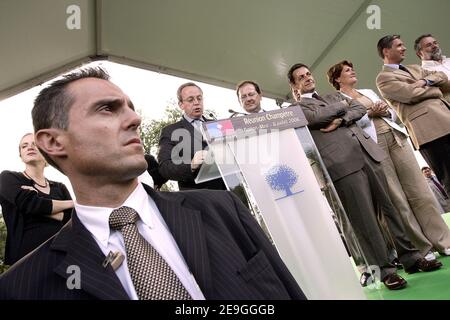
[(386, 42), (52, 105), (425, 168), (243, 83), (290, 73), (335, 72), (184, 85), (417, 42)]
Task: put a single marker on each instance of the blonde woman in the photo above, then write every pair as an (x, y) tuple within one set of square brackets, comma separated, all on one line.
[(34, 208)]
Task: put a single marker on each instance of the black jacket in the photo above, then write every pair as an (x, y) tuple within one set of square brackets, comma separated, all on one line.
[(182, 173), (25, 214), (225, 249)]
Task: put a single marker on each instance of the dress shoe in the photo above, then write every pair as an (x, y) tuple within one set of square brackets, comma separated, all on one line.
[(394, 282), (365, 279), (397, 264), (430, 256), (424, 265)]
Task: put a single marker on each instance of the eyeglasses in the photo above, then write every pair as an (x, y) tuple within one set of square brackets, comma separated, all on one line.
[(248, 95), (192, 99)]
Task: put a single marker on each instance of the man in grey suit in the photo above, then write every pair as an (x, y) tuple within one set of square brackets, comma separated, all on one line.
[(437, 189), (126, 241), (352, 159)]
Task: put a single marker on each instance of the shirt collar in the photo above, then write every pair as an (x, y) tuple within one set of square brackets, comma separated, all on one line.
[(96, 219), (189, 119), (432, 63), (392, 65), (309, 94), (261, 110)]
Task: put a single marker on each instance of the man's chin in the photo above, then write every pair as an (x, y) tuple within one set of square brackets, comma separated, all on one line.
[(134, 169), (436, 57)]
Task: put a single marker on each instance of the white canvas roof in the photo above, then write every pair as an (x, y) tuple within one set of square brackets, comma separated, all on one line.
[(215, 41)]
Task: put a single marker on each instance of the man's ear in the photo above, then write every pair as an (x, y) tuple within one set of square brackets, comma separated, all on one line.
[(418, 54), (386, 52), (51, 141), (295, 94)]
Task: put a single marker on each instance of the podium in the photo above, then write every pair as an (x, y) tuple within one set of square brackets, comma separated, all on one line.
[(270, 160)]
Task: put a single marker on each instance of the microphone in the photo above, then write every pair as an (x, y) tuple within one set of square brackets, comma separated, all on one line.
[(235, 113), (211, 115)]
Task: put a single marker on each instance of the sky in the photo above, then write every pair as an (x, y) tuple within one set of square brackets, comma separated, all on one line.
[(150, 92)]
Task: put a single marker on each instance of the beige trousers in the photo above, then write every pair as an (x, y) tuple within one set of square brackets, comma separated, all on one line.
[(412, 196)]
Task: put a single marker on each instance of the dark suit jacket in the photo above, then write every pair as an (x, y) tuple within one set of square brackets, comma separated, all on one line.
[(224, 248), (341, 149), (192, 141), (153, 170)]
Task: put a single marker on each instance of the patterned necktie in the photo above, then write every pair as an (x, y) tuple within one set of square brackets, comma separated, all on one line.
[(152, 277), (197, 123)]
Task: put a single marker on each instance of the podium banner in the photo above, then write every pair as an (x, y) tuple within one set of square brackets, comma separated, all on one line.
[(298, 218)]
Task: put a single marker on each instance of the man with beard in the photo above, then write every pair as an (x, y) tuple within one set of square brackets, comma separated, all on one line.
[(428, 50), (352, 160), (416, 95)]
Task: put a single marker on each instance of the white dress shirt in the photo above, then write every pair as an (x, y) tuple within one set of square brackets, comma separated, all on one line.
[(196, 123), (366, 123), (151, 226), (309, 95), (437, 66), (146, 178)]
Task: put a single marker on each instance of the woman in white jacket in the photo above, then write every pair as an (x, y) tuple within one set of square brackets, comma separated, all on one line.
[(408, 189)]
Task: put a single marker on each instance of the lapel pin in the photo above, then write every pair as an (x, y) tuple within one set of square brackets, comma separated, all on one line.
[(114, 259)]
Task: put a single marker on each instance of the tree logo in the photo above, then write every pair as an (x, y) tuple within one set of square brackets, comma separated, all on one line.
[(282, 178)]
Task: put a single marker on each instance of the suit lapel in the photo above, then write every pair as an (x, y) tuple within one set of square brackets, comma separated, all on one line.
[(82, 251), (313, 102), (410, 74), (186, 227)]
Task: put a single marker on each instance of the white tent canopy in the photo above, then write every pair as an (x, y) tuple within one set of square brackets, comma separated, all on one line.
[(214, 41)]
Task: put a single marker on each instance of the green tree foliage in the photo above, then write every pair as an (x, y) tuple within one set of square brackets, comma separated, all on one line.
[(151, 129)]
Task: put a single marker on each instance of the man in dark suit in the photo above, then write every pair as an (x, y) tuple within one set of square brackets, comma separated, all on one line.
[(249, 95), (181, 145), (352, 159), (126, 241)]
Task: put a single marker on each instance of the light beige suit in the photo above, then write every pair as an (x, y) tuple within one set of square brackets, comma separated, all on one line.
[(424, 111), (427, 118)]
